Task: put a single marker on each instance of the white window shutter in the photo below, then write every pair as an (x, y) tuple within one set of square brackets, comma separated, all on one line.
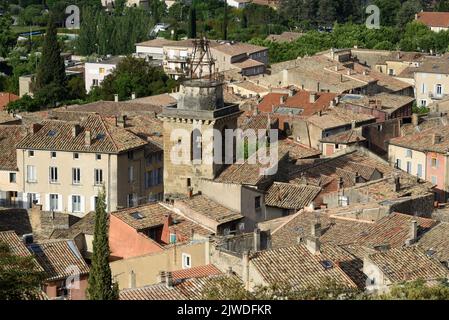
[(60, 202), (82, 208), (69, 203)]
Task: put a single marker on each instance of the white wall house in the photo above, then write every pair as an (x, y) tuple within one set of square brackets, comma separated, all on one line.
[(95, 72)]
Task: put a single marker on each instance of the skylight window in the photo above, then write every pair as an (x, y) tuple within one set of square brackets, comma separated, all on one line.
[(137, 215), (327, 264), (51, 133), (100, 136)]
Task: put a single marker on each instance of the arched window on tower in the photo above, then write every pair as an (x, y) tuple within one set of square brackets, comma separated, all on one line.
[(196, 146)]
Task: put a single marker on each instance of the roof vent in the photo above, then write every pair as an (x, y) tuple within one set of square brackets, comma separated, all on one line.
[(51, 133)]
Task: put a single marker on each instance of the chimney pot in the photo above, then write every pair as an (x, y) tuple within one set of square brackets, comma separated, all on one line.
[(169, 279), (257, 239), (75, 130), (36, 127), (397, 184), (87, 138)]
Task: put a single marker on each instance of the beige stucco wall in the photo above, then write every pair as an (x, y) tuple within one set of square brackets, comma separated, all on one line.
[(147, 267), (426, 82), (115, 178), (396, 152)]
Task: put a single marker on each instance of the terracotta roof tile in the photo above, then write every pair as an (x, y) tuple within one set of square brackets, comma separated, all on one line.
[(436, 242), (408, 264), (209, 208), (297, 266), (196, 272), (105, 138), (185, 289), (58, 258), (434, 19), (290, 196), (10, 136), (154, 215)]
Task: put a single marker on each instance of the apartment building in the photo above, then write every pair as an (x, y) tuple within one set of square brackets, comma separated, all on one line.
[(250, 60), (424, 155), (432, 80), (66, 165), (176, 57), (152, 49), (95, 72), (247, 59), (10, 176)]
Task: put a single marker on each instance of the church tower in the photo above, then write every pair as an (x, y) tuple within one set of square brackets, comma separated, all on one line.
[(193, 129)]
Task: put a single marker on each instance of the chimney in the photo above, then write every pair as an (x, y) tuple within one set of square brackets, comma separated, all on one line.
[(353, 124), (313, 244), (336, 68), (122, 123), (318, 87), (161, 277), (256, 239), (341, 77), (87, 138), (282, 99), (415, 119), (291, 92), (168, 221), (36, 127), (133, 96), (340, 183), (76, 128), (169, 279), (313, 97), (229, 271), (413, 233), (436, 138), (115, 97), (397, 184), (348, 72), (316, 229), (132, 279)]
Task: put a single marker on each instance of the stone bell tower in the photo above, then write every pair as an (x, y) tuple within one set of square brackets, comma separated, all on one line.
[(193, 129)]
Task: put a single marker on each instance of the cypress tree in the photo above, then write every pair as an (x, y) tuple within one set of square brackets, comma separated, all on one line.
[(225, 21), (51, 83), (100, 280), (192, 21), (51, 69)]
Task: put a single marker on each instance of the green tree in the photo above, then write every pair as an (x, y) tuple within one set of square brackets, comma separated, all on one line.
[(134, 75), (407, 12), (388, 11), (7, 38), (20, 277), (24, 104), (418, 290), (51, 79), (86, 41), (192, 21), (225, 20), (100, 285)]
